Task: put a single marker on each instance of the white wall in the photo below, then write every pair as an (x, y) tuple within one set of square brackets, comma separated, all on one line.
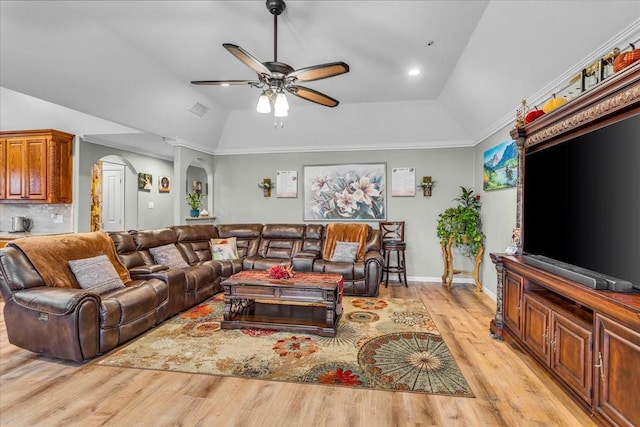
[(237, 198), (138, 214), (498, 212)]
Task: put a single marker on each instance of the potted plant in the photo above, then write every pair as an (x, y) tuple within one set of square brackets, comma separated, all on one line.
[(194, 200), (461, 223)]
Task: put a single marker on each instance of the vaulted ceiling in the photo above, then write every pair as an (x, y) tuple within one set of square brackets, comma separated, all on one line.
[(130, 63)]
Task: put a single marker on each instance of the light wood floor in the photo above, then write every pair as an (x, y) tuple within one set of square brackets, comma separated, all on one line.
[(38, 391)]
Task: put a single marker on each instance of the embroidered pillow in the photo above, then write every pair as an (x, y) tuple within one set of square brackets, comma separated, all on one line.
[(345, 251), (223, 249), (168, 255), (96, 274)]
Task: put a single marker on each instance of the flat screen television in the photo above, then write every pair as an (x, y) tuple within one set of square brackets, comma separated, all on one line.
[(581, 206)]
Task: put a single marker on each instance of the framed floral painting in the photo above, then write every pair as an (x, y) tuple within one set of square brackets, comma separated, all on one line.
[(345, 192)]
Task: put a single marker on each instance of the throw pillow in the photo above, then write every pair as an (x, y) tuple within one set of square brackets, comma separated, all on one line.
[(345, 251), (223, 249), (168, 255), (96, 274)]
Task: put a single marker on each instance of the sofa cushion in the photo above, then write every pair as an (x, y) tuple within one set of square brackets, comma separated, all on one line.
[(223, 249), (247, 237), (126, 249), (345, 233), (345, 252), (194, 241), (96, 274), (168, 255), (52, 264)]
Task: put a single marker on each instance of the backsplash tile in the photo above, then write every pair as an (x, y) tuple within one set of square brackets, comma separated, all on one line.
[(41, 216)]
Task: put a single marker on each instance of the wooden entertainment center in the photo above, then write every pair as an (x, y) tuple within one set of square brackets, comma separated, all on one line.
[(587, 340)]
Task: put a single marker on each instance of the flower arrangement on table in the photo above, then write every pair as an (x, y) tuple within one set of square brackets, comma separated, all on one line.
[(280, 272)]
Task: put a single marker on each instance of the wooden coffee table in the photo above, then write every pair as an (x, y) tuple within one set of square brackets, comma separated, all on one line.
[(308, 302)]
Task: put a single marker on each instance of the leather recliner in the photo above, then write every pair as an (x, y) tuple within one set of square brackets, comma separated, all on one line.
[(73, 323), (360, 277)]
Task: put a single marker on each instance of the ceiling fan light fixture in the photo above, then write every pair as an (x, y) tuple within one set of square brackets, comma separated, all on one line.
[(281, 105), (280, 114), (274, 78), (264, 104)]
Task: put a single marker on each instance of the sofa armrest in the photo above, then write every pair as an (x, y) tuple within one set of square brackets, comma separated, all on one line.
[(58, 322), (373, 256), (176, 279), (56, 301), (148, 269)]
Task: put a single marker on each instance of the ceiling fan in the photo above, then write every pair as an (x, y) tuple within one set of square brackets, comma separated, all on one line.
[(274, 78)]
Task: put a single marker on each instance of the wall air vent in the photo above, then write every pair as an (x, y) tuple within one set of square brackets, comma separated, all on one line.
[(199, 109)]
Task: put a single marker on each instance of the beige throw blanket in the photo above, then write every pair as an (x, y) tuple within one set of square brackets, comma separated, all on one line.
[(341, 232), (50, 255)]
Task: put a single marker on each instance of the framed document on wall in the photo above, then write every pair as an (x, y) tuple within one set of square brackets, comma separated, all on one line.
[(287, 184), (403, 182)]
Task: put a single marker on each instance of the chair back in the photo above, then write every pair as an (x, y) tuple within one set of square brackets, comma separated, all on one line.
[(392, 231)]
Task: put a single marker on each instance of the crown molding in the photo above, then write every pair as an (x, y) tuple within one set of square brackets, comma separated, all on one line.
[(99, 141), (343, 148)]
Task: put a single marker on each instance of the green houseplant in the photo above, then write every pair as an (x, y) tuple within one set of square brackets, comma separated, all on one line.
[(194, 200), (461, 223)]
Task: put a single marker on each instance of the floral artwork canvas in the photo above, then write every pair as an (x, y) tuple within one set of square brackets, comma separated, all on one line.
[(349, 192)]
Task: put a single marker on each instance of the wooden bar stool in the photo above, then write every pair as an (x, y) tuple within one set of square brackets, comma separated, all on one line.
[(392, 234)]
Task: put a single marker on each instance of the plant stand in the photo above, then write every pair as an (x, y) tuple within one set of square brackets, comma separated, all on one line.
[(449, 271)]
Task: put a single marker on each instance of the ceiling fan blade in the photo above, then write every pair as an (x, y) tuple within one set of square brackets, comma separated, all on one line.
[(223, 82), (317, 72), (247, 59), (312, 95)]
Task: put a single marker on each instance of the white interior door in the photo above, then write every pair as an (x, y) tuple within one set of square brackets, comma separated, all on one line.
[(112, 197)]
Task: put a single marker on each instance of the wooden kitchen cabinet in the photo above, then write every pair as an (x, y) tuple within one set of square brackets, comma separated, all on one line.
[(37, 166), (3, 168)]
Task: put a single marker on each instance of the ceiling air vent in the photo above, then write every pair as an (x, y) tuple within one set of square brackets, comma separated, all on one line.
[(199, 109)]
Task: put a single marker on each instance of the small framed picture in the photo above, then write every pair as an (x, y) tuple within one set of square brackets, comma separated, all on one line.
[(197, 187), (164, 185), (145, 182)]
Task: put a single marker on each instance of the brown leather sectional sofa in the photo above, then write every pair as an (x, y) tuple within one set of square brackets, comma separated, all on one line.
[(74, 324)]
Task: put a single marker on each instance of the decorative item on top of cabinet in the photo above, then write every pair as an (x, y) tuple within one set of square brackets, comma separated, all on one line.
[(37, 166)]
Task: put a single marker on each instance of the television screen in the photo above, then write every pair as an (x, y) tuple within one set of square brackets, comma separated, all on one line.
[(581, 201)]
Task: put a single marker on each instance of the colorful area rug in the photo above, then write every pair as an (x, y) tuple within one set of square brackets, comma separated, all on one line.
[(387, 344)]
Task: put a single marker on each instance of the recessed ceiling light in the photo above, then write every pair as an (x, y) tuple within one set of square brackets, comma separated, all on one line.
[(224, 84), (414, 72)]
